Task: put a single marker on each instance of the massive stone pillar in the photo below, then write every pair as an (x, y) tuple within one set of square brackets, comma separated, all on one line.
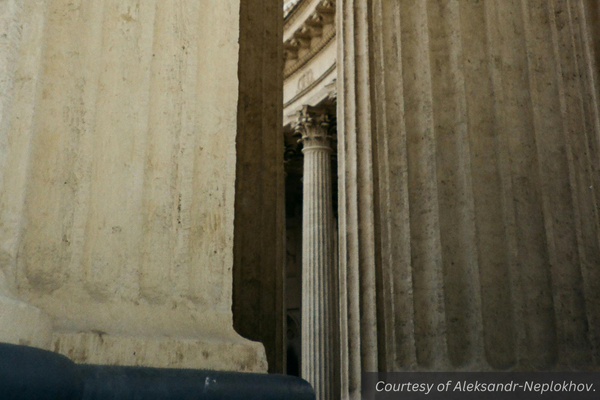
[(469, 140), (318, 269), (117, 144), (357, 280), (259, 225)]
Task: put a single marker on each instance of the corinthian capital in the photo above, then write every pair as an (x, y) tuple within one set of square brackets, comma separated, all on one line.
[(315, 126)]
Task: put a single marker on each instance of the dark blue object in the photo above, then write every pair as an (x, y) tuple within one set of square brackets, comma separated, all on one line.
[(32, 374)]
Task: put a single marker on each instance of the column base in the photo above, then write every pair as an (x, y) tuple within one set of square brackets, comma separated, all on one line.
[(24, 324), (219, 354)]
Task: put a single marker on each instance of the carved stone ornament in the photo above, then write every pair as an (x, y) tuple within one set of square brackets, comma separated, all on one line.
[(316, 128)]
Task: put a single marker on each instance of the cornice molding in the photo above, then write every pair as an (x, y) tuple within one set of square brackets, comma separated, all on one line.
[(307, 39), (294, 12), (314, 50)]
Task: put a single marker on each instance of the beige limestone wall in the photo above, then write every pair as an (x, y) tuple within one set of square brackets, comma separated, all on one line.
[(469, 140), (118, 170), (20, 62)]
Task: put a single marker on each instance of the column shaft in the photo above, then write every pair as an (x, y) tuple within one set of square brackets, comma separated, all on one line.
[(468, 140), (318, 272)]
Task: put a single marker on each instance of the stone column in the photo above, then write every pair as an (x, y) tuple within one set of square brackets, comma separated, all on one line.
[(318, 313), (258, 260), (117, 181), (468, 146)]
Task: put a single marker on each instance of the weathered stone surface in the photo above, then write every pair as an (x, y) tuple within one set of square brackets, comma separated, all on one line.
[(468, 179), (259, 238), (22, 24), (118, 168)]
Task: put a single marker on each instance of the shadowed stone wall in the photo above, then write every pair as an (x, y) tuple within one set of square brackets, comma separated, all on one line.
[(259, 236)]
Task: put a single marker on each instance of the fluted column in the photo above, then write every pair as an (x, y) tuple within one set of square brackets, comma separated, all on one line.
[(117, 181), (468, 147), (318, 313)]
